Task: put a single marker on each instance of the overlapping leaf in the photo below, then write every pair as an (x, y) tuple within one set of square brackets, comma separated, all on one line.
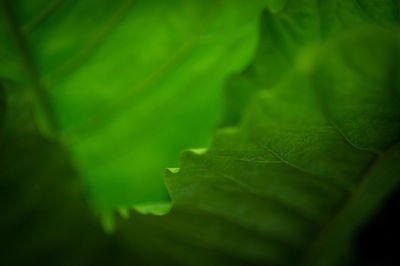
[(315, 155), (317, 151)]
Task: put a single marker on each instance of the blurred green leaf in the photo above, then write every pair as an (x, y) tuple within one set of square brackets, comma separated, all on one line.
[(287, 37), (128, 84)]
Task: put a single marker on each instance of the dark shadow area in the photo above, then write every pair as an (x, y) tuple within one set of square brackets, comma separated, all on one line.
[(378, 242)]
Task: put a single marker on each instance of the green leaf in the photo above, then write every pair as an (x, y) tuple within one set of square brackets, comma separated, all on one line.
[(128, 84), (316, 154), (293, 33)]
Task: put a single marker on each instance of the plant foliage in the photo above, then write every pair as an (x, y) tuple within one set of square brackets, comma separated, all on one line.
[(307, 151)]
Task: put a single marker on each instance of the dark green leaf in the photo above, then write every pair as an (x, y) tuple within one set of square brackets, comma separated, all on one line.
[(315, 156)]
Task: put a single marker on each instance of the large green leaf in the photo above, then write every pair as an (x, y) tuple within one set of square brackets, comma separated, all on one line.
[(127, 84), (317, 152)]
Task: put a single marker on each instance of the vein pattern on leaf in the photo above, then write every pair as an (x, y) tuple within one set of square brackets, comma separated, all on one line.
[(319, 116)]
